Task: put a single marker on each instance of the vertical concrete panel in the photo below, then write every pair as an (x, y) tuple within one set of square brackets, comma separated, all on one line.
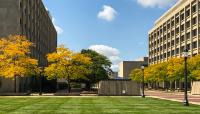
[(119, 88)]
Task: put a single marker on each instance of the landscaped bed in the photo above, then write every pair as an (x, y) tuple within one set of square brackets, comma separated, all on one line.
[(92, 105)]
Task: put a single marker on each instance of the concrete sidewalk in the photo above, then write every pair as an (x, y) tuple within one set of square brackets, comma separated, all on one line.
[(173, 96)]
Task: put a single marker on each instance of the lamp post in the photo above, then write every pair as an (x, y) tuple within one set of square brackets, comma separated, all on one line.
[(142, 67), (185, 55)]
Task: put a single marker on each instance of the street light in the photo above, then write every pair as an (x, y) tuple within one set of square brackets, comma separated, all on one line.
[(185, 55), (142, 67)]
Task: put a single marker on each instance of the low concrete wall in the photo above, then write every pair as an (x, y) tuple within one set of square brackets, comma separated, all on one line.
[(195, 88), (119, 88), (7, 84)]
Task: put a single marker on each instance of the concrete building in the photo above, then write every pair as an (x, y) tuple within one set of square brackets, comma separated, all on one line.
[(173, 31), (29, 18), (113, 74), (125, 67)]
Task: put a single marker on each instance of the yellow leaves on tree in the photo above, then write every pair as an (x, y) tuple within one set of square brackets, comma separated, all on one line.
[(194, 67), (14, 57), (175, 68), (136, 74), (65, 64)]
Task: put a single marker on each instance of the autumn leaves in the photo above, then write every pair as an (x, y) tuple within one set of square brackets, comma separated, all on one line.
[(169, 71)]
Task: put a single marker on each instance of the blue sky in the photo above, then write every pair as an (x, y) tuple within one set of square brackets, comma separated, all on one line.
[(115, 28)]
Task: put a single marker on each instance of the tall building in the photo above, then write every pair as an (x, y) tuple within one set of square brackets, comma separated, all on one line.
[(29, 18), (173, 31)]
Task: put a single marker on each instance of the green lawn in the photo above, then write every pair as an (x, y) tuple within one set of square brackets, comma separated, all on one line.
[(92, 105)]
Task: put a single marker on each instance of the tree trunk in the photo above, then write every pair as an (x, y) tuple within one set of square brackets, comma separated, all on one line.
[(88, 85), (15, 84), (69, 85)]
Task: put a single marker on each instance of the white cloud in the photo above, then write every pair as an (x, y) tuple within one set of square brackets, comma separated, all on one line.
[(58, 28), (110, 52), (156, 3), (108, 13)]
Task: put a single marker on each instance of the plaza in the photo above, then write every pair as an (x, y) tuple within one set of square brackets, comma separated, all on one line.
[(56, 58)]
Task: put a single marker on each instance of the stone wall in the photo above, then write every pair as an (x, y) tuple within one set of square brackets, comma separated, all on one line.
[(119, 88), (195, 88)]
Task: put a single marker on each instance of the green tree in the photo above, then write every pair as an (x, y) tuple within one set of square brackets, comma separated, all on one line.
[(98, 69)]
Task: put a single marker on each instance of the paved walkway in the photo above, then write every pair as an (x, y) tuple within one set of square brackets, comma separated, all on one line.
[(173, 96)]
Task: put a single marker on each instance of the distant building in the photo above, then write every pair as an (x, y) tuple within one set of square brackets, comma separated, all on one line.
[(125, 67), (113, 74), (29, 18)]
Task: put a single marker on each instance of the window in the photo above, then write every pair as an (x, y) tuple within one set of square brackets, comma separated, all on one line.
[(168, 44), (194, 8), (194, 33), (177, 20), (177, 50), (194, 21), (177, 40), (161, 48), (161, 56), (158, 57), (161, 40), (182, 27), (182, 48), (187, 13), (172, 52), (172, 24), (164, 38), (182, 17), (168, 35), (168, 26), (164, 29), (165, 46), (188, 35), (160, 31), (194, 45), (172, 33), (188, 46), (165, 55), (168, 54), (182, 38), (154, 58), (158, 42), (177, 30), (188, 24), (172, 43)]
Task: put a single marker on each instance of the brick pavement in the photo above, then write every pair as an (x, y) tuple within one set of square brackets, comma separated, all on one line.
[(173, 96)]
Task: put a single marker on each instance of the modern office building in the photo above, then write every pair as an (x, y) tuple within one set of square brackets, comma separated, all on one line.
[(29, 18), (173, 31), (125, 67)]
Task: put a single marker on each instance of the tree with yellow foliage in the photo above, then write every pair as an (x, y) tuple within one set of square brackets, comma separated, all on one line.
[(136, 75), (14, 58), (175, 69), (194, 68), (65, 64)]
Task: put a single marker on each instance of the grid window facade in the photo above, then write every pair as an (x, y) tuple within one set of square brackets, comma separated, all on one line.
[(176, 29)]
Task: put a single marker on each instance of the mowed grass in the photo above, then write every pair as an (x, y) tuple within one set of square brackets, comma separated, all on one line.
[(92, 105)]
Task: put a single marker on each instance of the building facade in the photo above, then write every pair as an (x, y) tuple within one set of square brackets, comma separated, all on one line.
[(125, 67), (29, 18), (173, 31)]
